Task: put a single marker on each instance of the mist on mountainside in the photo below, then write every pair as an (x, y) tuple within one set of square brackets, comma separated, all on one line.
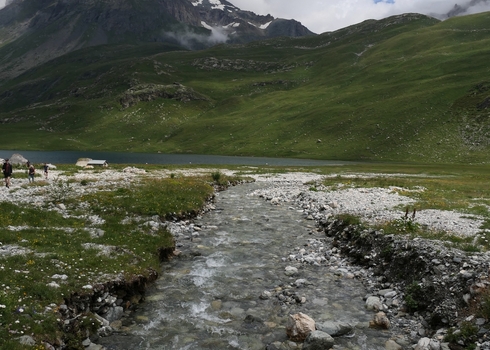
[(470, 7), (189, 39)]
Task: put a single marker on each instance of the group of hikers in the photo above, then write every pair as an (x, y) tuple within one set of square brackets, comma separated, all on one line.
[(31, 171)]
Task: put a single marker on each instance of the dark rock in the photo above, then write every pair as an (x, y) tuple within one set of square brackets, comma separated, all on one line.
[(318, 340), (335, 329)]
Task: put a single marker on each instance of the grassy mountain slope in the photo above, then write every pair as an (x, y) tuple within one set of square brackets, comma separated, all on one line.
[(33, 32), (406, 88)]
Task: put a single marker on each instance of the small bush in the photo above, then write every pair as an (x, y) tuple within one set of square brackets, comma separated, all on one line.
[(216, 176), (387, 251), (413, 296), (60, 191), (484, 309), (467, 334), (349, 219)]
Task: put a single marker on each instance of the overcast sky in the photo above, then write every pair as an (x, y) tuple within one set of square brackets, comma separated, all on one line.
[(327, 15)]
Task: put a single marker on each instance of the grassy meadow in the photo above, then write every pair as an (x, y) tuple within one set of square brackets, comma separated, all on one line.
[(406, 88)]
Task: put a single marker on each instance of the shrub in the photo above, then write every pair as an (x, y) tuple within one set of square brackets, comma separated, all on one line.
[(60, 191), (484, 309), (387, 251), (466, 334), (216, 176), (349, 219), (413, 296)]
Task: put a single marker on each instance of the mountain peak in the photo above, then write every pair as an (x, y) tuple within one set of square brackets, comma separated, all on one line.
[(243, 26), (215, 5), (57, 27)]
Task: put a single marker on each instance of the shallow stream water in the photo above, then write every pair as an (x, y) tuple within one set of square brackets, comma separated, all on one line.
[(209, 296)]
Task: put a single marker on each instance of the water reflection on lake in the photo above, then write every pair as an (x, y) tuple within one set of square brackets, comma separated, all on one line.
[(70, 157)]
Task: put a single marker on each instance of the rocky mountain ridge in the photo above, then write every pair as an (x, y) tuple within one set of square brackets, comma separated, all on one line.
[(241, 25), (34, 32)]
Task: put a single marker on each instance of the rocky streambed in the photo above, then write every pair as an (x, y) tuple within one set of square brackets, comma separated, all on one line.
[(401, 293), (341, 275), (430, 293)]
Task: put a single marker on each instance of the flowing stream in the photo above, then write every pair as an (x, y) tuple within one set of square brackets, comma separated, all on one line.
[(209, 296)]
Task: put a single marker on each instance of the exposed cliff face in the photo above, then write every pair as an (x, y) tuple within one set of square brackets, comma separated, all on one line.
[(40, 30), (35, 31), (183, 11), (242, 25)]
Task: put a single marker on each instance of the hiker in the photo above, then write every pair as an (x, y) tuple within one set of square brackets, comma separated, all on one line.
[(7, 172), (32, 173), (46, 168), (28, 164)]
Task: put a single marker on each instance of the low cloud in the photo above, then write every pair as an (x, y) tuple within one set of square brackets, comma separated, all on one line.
[(191, 40), (471, 7)]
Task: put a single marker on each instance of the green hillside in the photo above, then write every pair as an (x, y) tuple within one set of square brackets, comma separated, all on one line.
[(406, 88)]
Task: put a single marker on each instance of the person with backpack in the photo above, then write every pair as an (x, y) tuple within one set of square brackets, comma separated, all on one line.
[(46, 169), (32, 173), (7, 172)]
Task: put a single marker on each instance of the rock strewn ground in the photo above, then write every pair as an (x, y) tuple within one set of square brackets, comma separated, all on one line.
[(424, 287), (372, 205), (451, 278)]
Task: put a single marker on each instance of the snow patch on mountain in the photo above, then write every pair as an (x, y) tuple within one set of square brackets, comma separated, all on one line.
[(214, 5), (205, 25), (217, 4), (265, 25), (234, 25)]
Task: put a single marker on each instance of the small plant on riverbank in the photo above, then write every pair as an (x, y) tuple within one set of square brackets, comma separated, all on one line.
[(413, 297), (222, 179), (216, 176), (483, 307), (348, 219), (465, 334), (406, 224)]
